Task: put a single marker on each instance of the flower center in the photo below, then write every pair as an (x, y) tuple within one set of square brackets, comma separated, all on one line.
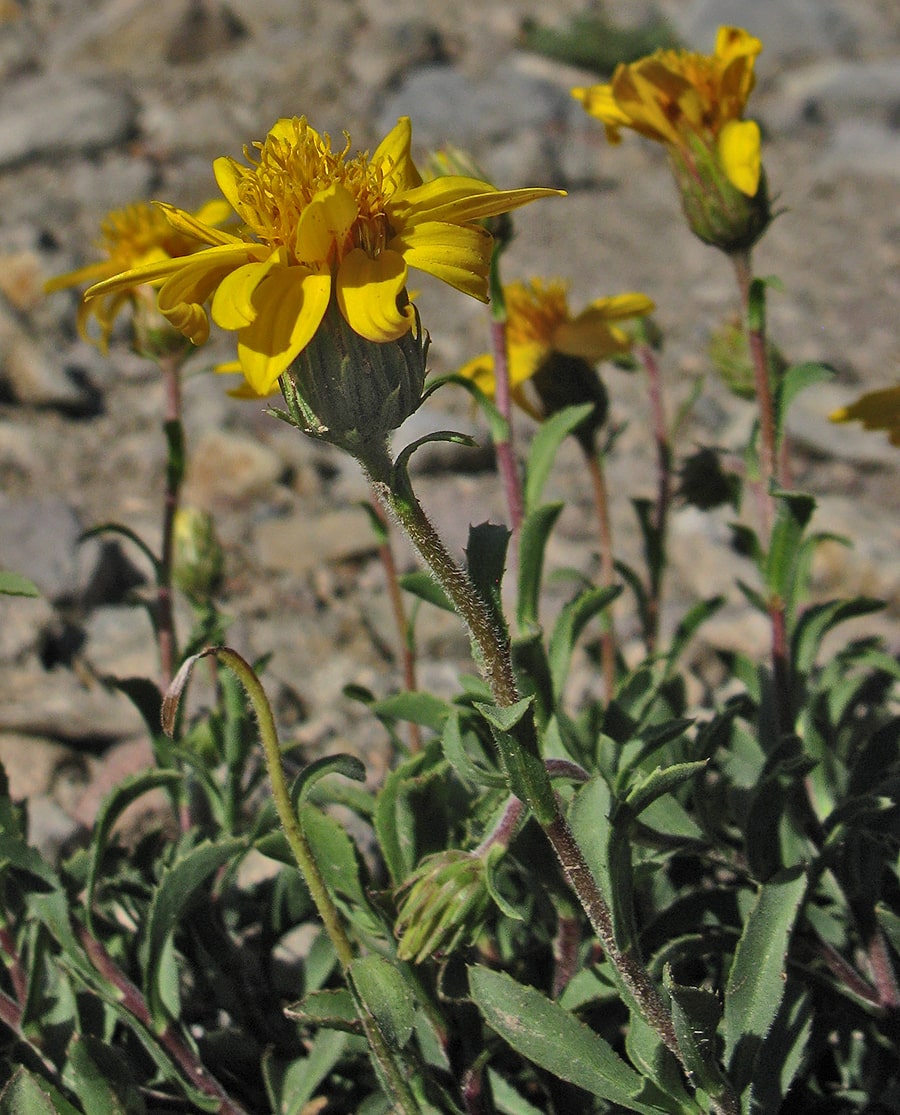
[(292, 169), (129, 234), (536, 310)]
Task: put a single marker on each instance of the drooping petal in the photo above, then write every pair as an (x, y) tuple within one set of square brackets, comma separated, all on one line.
[(325, 222), (458, 254), (735, 42), (619, 307), (593, 334), (182, 295), (291, 304), (100, 270), (481, 371), (227, 174), (394, 157), (191, 226), (369, 293), (739, 150), (877, 410), (232, 305)]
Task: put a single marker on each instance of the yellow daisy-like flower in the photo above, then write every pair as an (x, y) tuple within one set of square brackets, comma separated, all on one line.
[(137, 236), (877, 410), (539, 325), (317, 224), (673, 95)]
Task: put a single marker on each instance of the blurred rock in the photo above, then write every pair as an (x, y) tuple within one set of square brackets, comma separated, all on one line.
[(40, 537)]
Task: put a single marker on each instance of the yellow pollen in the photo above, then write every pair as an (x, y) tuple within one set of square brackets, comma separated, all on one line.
[(288, 175)]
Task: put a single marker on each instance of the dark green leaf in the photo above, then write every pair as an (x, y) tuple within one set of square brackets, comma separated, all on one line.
[(819, 619), (557, 1041), (27, 1094), (179, 886), (661, 781), (347, 765), (101, 1077), (696, 1013), (572, 620), (387, 995), (112, 808), (455, 752), (486, 562), (793, 512), (291, 1086), (334, 1010), (797, 378), (144, 694), (418, 708)]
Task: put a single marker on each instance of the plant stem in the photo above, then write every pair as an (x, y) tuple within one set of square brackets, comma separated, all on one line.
[(491, 647), (391, 1069), (607, 568), (133, 1001), (504, 447), (170, 366), (770, 462)]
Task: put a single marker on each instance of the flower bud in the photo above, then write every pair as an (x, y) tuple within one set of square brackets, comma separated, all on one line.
[(730, 353), (717, 210), (444, 903), (197, 557), (352, 392)]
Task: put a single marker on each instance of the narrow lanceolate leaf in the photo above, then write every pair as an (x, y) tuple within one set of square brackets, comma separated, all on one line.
[(696, 1013), (27, 1094), (14, 584), (544, 447), (386, 995), (532, 545), (557, 1041), (758, 974)]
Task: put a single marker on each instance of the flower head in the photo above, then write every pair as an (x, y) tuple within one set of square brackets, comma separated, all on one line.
[(877, 410), (694, 104), (318, 224), (134, 237), (554, 353)]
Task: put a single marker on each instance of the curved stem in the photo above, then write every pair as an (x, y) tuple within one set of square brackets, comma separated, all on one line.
[(391, 1070)]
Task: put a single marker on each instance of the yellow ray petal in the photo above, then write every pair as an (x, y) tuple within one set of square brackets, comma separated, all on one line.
[(394, 158), (99, 270), (191, 226), (369, 293), (739, 150), (324, 222), (291, 304), (232, 305), (458, 254), (458, 199)]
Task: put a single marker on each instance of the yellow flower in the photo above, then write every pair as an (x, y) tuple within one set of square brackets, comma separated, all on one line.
[(540, 325), (136, 236), (317, 224), (674, 96), (877, 410)]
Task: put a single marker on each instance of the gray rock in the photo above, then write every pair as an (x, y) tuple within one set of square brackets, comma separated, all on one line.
[(31, 376), (39, 537), (833, 90), (300, 543), (62, 706), (227, 467), (798, 29), (51, 115)]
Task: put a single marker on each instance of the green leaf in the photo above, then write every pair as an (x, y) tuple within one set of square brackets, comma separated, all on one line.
[(100, 1075), (797, 378), (396, 837), (334, 1010), (27, 1094), (783, 1053), (819, 619), (793, 513), (551, 433), (418, 708), (124, 532), (387, 995), (756, 982), (486, 562), (696, 1013), (426, 588), (144, 694), (533, 539), (179, 886), (291, 1086), (111, 809), (458, 757), (336, 855), (661, 781), (572, 620), (555, 1040), (14, 584), (348, 765)]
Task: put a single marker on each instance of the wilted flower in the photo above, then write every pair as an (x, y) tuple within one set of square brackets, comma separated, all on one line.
[(137, 236), (321, 224), (551, 353), (877, 410), (694, 105)]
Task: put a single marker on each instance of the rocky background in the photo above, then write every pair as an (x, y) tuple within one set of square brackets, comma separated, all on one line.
[(103, 102)]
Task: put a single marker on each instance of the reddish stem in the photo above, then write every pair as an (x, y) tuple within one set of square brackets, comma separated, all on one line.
[(504, 448)]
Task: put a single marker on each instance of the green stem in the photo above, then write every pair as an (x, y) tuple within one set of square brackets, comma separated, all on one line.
[(391, 1070), (518, 745)]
